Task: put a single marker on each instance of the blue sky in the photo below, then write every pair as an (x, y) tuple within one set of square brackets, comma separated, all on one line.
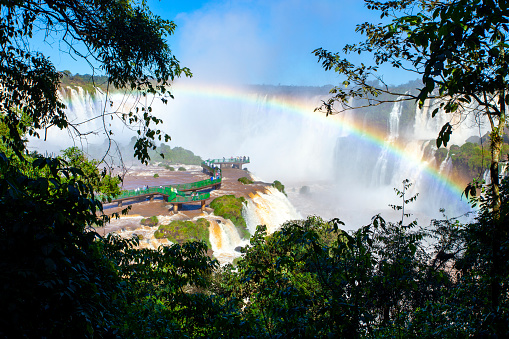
[(254, 41)]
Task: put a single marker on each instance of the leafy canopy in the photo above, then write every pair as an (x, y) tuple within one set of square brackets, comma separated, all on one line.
[(125, 40), (458, 49)]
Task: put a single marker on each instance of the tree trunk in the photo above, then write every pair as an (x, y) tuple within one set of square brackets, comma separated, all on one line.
[(496, 148)]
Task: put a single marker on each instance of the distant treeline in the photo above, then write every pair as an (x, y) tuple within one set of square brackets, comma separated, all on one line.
[(86, 81), (470, 160), (176, 155)]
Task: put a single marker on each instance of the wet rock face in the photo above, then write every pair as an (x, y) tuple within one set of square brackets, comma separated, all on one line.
[(238, 249)]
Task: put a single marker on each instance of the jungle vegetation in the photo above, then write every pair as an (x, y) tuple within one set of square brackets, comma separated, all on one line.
[(176, 155), (230, 207), (61, 279), (245, 180)]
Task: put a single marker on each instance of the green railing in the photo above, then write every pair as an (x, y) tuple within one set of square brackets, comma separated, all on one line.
[(166, 190), (174, 192), (208, 167), (243, 160), (197, 184), (192, 197)]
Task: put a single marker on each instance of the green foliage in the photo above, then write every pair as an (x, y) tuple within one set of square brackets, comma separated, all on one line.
[(460, 49), (125, 40), (87, 82), (152, 221), (172, 169), (472, 160), (156, 175), (405, 200), (178, 155), (59, 278), (179, 231), (279, 186), (230, 207), (164, 294), (182, 169), (52, 270), (102, 182), (245, 180), (469, 160), (158, 234), (310, 279), (441, 154)]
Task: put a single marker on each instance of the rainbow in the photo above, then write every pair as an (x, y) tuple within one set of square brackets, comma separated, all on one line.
[(369, 136)]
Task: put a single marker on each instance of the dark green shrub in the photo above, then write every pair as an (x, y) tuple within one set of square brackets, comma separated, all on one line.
[(158, 234), (171, 168), (279, 186), (236, 261), (245, 180), (152, 221), (180, 231), (177, 155), (230, 207), (182, 169), (156, 175)]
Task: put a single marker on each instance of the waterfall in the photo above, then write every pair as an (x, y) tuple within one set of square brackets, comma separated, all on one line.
[(380, 173), (358, 157), (224, 238), (271, 209), (465, 125)]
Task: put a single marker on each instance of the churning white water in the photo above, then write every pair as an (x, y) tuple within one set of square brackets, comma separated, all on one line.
[(224, 239), (271, 209)]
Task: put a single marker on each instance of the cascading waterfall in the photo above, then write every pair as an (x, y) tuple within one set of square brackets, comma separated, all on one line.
[(95, 115), (271, 209), (380, 175), (465, 125), (288, 142), (377, 169), (224, 238)]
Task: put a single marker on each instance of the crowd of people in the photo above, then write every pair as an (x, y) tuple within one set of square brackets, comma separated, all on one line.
[(236, 159), (143, 188), (212, 162), (216, 174)]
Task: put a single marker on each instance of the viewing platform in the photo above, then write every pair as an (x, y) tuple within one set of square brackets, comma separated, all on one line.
[(233, 162), (175, 194), (179, 194)]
